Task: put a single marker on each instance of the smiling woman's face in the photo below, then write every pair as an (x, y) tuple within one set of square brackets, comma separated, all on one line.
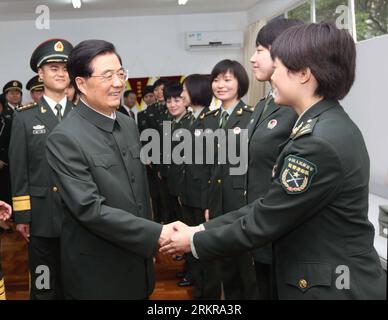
[(225, 87)]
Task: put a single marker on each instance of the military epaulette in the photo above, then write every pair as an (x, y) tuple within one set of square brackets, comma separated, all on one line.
[(249, 109), (241, 110), (212, 112), (27, 106), (304, 128), (187, 115)]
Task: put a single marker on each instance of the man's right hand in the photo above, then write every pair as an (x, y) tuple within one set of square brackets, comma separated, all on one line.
[(24, 230)]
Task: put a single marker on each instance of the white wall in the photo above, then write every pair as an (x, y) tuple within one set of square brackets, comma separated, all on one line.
[(367, 105), (149, 46)]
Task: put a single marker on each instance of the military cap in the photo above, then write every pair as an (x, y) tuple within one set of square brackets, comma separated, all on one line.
[(147, 90), (13, 85), (35, 83), (53, 50)]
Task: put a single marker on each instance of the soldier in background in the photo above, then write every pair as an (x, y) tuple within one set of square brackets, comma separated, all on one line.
[(12, 96), (35, 86), (38, 212), (5, 213)]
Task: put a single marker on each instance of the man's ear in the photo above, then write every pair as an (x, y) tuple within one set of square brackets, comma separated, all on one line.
[(40, 73), (305, 75), (81, 84)]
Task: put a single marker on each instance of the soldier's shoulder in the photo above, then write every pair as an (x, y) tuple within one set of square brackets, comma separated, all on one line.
[(214, 113), (142, 113), (245, 109), (188, 115), (250, 109), (305, 128), (27, 106)]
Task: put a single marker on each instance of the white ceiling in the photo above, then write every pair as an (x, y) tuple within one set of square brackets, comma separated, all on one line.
[(63, 9)]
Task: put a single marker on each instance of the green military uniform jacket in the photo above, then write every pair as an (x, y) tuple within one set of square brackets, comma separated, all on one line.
[(315, 213), (5, 134), (266, 133), (226, 191), (107, 239), (175, 171), (195, 176), (34, 196)]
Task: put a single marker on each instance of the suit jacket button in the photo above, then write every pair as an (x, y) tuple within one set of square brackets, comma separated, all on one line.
[(303, 284), (55, 189)]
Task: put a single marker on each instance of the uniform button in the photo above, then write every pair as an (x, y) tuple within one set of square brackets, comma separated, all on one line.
[(140, 206), (303, 284), (209, 182), (55, 189), (123, 153), (219, 181), (245, 193), (218, 145)]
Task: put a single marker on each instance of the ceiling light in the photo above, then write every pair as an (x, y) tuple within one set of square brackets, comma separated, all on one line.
[(76, 4), (182, 2)]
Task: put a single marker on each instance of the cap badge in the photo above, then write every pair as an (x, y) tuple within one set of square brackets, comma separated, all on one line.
[(59, 46)]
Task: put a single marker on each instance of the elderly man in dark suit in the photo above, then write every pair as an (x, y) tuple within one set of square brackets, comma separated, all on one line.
[(108, 240)]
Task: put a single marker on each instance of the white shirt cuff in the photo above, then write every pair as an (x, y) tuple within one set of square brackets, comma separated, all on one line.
[(193, 251)]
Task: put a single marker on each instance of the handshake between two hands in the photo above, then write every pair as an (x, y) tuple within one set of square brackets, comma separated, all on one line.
[(175, 238)]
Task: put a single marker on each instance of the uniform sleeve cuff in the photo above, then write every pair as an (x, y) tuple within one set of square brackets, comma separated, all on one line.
[(193, 251)]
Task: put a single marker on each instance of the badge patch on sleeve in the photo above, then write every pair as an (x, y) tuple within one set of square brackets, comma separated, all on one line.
[(297, 174)]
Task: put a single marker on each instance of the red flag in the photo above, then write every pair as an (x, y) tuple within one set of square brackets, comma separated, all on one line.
[(137, 85)]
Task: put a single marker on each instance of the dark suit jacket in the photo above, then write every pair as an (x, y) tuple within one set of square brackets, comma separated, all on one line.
[(124, 111), (107, 240), (34, 197), (315, 213), (226, 191)]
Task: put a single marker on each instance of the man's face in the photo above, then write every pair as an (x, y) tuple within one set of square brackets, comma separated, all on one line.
[(149, 99), (104, 88), (54, 76), (130, 100), (36, 94), (14, 97), (158, 92)]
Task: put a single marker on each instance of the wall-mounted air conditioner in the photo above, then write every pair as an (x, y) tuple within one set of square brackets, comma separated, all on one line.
[(214, 40)]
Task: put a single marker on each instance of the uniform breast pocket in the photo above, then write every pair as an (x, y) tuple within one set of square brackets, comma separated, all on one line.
[(306, 276), (105, 161)]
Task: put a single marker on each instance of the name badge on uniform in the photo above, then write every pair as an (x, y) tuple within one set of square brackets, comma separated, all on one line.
[(272, 124), (237, 130), (38, 129)]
